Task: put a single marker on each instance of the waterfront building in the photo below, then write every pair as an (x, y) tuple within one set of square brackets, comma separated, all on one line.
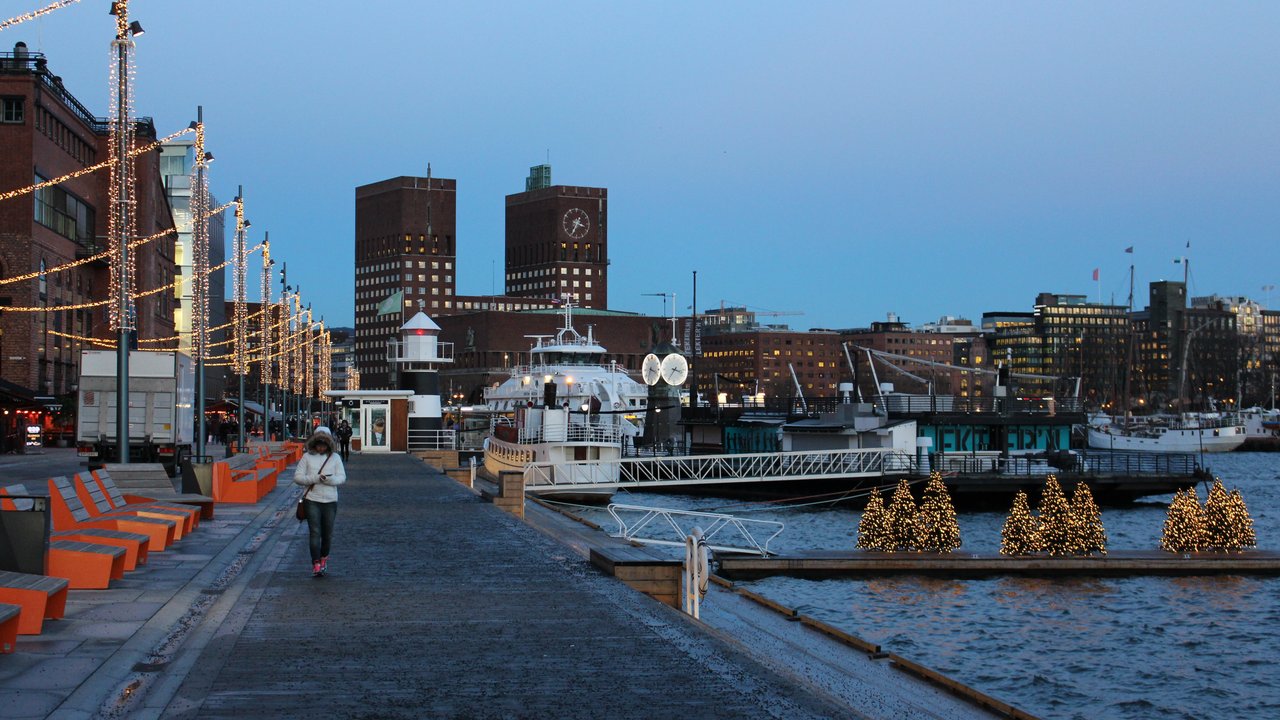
[(177, 162), (45, 132), (739, 359), (489, 343), (1186, 358), (1066, 337), (557, 242), (954, 342), (1258, 338)]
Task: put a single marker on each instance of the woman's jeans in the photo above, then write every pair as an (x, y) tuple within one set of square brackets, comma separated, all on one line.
[(320, 518)]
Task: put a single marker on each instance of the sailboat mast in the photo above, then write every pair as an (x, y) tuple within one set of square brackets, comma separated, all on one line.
[(1128, 365)]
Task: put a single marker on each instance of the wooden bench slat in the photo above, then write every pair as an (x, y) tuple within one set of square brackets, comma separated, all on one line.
[(27, 581), (86, 547)]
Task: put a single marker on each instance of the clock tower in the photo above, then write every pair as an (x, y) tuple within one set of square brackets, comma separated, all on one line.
[(557, 242)]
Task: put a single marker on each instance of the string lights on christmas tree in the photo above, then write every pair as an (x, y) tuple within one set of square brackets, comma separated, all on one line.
[(1054, 529), (871, 528), (936, 526), (900, 519), (1241, 522), (1088, 535), (1227, 525), (1183, 524), (1019, 534)]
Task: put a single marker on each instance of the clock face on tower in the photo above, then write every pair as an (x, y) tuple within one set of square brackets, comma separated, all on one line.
[(576, 223)]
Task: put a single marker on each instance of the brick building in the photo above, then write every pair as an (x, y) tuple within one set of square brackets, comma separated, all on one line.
[(951, 341), (45, 132), (489, 343), (557, 242)]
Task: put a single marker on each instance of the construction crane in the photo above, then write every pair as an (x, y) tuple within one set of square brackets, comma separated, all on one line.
[(771, 313)]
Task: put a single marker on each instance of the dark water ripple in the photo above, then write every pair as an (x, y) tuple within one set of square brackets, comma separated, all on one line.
[(1125, 648)]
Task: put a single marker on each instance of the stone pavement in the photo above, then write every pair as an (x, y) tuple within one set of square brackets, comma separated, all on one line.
[(437, 605)]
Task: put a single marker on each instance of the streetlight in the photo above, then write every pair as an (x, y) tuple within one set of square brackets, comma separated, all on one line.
[(121, 218)]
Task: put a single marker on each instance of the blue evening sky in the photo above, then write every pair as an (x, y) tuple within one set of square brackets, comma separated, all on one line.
[(841, 159)]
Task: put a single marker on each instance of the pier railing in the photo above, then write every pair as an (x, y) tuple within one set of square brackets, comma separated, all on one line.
[(682, 522), (432, 440), (639, 472), (1131, 464)]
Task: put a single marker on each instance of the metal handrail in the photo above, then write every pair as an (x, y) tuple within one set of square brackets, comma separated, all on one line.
[(716, 523), (634, 472), (421, 439)]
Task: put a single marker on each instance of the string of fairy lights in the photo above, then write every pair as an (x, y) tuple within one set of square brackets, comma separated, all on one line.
[(18, 20), (290, 342)]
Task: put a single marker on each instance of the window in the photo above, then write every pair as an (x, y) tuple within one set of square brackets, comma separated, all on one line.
[(64, 214), (11, 110)]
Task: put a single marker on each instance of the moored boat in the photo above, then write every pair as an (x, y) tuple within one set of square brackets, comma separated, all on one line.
[(1189, 433), (565, 418)]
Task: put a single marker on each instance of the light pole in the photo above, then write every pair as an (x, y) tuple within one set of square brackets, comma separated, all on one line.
[(241, 356), (200, 268), (122, 213), (264, 342)]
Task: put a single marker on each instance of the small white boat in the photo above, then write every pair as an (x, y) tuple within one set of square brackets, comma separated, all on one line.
[(1189, 433), (566, 406)]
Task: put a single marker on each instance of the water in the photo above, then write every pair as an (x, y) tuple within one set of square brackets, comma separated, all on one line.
[(1128, 648)]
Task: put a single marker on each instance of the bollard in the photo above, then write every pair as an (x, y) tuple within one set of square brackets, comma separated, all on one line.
[(696, 572)]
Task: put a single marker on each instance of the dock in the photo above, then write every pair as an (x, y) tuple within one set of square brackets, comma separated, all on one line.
[(858, 563), (437, 604)]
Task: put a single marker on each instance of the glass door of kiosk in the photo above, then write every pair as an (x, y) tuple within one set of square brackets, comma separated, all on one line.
[(374, 426)]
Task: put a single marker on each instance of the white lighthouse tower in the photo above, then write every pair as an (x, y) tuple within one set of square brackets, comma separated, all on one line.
[(417, 356)]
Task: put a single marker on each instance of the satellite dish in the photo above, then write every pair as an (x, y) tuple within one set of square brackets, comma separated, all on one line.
[(675, 369), (651, 369)]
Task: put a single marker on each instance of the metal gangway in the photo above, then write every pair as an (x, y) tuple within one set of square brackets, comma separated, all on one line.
[(682, 522), (638, 473)]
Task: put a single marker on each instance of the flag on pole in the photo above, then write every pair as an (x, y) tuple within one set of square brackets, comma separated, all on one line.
[(1129, 249), (392, 304), (1095, 273)]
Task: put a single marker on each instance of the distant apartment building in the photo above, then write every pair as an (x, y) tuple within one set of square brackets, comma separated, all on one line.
[(557, 242), (738, 357), (934, 358), (177, 163), (45, 133), (1258, 343), (1064, 338)]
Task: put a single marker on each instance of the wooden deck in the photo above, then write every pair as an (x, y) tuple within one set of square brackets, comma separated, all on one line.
[(855, 563)]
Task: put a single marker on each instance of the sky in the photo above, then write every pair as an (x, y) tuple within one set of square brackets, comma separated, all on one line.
[(840, 160)]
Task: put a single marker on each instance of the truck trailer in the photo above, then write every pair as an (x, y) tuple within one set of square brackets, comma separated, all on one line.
[(161, 408)]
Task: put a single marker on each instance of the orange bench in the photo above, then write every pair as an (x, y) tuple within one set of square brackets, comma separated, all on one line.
[(93, 486), (91, 496), (241, 479), (25, 522), (148, 483), (70, 514), (9, 627), (135, 546), (41, 598)]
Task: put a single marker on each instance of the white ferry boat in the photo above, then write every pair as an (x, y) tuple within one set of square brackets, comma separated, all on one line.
[(1189, 433), (564, 407)]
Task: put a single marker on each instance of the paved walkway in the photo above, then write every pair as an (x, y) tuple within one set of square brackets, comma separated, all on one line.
[(440, 605)]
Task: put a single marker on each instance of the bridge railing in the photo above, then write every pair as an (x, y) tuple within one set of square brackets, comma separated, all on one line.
[(682, 522), (710, 469)]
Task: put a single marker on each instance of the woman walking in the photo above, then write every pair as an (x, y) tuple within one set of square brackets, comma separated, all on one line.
[(320, 471)]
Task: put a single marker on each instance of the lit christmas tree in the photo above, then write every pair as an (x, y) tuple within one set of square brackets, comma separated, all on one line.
[(1055, 531), (1018, 536), (1217, 518), (1086, 521), (871, 528), (936, 527), (900, 519), (1184, 524), (1241, 523)]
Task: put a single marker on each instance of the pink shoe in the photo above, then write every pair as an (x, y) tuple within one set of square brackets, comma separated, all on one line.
[(317, 569), (324, 564)]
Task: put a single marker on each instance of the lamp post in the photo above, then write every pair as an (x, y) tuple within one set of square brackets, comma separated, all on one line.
[(264, 342), (121, 218), (200, 267), (284, 338), (241, 355)]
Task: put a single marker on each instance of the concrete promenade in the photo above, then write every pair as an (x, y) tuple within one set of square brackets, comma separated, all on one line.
[(437, 605)]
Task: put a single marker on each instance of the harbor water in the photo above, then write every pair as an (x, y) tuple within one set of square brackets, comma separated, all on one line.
[(1127, 648)]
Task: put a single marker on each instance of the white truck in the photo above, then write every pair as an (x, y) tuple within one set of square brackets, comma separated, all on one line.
[(161, 407)]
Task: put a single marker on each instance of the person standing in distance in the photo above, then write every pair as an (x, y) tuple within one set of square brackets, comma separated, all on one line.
[(344, 439), (320, 471)]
